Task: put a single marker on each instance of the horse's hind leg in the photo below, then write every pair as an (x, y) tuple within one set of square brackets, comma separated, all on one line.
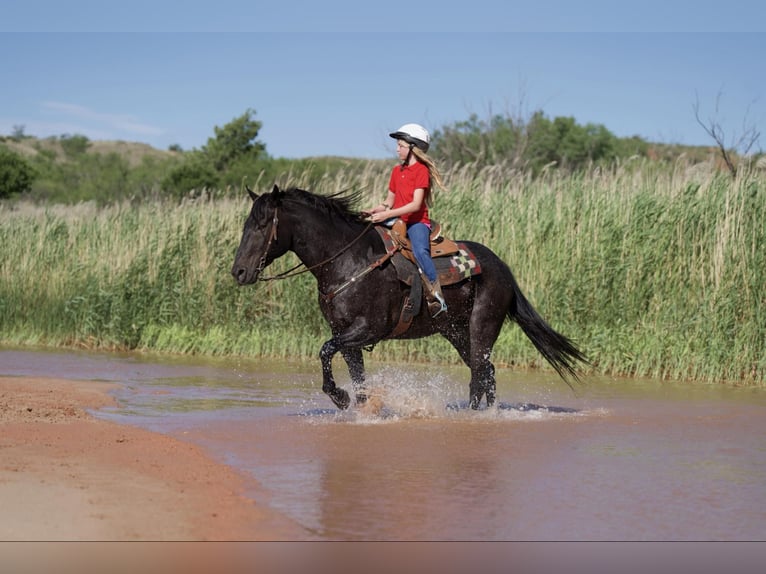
[(482, 378), (484, 332), (355, 362), (476, 357), (483, 383)]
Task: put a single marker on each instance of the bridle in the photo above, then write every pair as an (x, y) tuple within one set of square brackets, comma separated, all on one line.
[(293, 271), (272, 239)]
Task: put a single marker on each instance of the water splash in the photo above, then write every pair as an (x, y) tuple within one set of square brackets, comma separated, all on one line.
[(399, 395), (406, 394)]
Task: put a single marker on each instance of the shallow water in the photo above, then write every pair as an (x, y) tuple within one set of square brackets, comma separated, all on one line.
[(622, 460)]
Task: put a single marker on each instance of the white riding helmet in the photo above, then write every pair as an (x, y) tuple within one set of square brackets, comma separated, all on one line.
[(413, 134)]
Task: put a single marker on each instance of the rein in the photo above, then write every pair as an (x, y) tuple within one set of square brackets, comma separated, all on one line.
[(292, 272), (382, 259)]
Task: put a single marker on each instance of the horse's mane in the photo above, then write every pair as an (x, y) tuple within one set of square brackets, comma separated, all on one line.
[(342, 203)]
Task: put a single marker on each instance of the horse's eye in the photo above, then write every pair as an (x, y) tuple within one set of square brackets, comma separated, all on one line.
[(259, 215)]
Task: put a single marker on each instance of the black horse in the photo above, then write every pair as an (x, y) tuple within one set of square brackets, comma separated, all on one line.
[(361, 296)]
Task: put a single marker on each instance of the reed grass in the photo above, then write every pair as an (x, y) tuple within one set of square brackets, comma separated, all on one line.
[(653, 271)]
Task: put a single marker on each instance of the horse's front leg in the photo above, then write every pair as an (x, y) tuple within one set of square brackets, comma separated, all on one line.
[(355, 362), (339, 396)]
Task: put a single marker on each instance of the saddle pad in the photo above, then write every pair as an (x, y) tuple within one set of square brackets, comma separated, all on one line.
[(457, 267)]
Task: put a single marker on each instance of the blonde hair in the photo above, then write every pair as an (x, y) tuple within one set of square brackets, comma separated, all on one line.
[(433, 172)]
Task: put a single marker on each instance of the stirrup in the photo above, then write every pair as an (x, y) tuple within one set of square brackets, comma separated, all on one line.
[(437, 306)]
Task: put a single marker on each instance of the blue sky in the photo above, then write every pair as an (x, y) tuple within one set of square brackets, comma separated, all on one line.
[(334, 78)]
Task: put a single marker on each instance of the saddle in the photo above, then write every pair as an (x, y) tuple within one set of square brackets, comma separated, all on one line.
[(453, 260), (440, 245)]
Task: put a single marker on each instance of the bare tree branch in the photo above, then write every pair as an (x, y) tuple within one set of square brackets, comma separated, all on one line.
[(740, 145)]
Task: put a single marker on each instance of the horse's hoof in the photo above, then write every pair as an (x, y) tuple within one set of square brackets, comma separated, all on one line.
[(341, 399)]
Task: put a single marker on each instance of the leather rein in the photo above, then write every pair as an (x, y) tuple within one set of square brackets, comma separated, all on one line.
[(293, 271)]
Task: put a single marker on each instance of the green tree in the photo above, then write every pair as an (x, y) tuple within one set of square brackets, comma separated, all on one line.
[(18, 132), (196, 173), (235, 140), (74, 145), (497, 141), (233, 153), (16, 174), (532, 143), (567, 144)]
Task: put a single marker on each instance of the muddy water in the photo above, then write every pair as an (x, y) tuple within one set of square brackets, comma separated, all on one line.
[(622, 460)]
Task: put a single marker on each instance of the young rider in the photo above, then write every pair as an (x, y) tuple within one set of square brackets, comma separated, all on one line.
[(409, 195)]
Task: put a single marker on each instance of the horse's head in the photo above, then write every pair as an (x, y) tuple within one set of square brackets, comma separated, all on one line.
[(259, 245)]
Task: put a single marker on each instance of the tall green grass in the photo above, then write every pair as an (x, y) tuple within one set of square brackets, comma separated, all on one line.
[(653, 271)]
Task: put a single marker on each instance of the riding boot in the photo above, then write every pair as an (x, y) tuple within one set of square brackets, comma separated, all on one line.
[(436, 302)]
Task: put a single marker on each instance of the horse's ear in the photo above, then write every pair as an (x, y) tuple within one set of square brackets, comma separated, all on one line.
[(251, 193), (277, 193)]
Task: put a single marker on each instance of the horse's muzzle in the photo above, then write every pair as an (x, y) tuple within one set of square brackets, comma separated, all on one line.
[(242, 276)]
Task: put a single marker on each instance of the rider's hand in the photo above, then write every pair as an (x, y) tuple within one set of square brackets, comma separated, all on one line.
[(378, 217)]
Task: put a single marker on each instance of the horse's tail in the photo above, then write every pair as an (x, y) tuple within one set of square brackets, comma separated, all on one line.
[(558, 350)]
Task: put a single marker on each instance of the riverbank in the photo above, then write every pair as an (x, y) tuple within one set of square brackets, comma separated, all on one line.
[(68, 476)]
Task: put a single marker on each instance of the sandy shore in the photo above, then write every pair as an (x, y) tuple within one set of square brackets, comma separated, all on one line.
[(67, 476)]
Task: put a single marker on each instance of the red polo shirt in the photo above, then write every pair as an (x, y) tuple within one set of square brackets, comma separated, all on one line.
[(403, 183)]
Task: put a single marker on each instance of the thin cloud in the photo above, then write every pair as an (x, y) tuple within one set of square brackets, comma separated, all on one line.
[(104, 121), (42, 129)]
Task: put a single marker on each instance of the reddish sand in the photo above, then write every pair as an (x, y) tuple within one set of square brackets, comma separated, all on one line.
[(67, 476)]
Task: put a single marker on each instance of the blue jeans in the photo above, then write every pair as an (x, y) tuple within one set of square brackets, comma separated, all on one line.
[(420, 237)]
